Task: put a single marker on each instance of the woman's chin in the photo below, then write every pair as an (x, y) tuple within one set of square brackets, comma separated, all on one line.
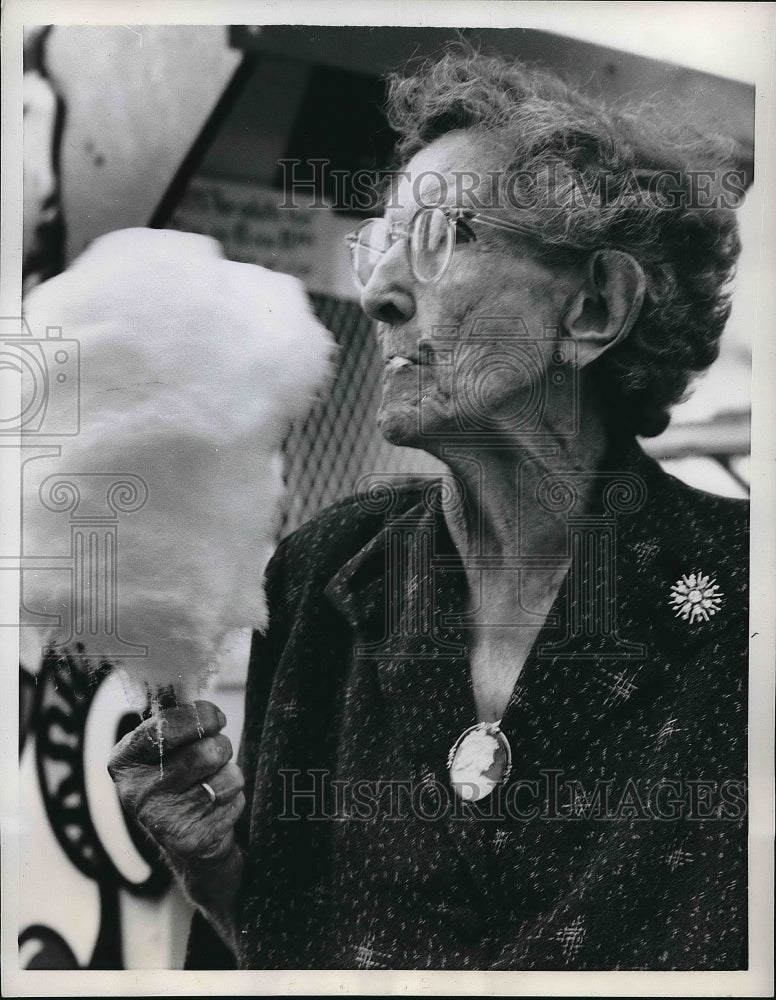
[(400, 426)]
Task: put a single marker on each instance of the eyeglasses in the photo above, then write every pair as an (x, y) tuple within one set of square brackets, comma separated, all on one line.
[(431, 235)]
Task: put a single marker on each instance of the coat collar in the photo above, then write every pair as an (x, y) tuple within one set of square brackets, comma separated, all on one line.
[(656, 538), (562, 695)]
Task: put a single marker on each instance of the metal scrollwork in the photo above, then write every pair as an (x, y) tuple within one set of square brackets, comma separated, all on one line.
[(68, 683)]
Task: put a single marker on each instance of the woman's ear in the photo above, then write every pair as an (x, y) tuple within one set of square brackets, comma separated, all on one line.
[(607, 304)]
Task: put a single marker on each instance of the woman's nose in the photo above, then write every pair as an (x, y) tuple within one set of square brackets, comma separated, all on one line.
[(389, 294)]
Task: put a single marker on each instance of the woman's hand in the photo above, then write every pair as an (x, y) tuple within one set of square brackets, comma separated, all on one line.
[(158, 769)]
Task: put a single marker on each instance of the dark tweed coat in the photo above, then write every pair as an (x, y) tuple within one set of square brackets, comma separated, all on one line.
[(619, 841)]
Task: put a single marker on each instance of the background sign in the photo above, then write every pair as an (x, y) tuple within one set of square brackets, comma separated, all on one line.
[(248, 220)]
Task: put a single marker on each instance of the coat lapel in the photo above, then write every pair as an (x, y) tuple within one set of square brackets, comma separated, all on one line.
[(614, 630), (396, 595), (617, 627), (614, 617)]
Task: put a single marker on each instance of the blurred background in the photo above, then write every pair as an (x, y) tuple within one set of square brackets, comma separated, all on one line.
[(183, 127)]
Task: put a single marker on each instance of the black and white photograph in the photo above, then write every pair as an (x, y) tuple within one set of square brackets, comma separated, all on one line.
[(388, 484)]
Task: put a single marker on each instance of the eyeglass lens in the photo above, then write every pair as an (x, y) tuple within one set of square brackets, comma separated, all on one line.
[(430, 244), (372, 240)]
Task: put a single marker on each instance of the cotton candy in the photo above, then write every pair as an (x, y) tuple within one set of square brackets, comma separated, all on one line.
[(191, 368)]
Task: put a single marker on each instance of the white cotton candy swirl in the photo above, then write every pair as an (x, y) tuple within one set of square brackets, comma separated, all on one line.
[(192, 367)]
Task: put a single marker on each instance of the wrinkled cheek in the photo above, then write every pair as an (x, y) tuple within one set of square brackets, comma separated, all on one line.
[(491, 386), (478, 380)]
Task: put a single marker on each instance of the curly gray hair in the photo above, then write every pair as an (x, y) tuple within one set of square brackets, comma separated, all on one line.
[(599, 173)]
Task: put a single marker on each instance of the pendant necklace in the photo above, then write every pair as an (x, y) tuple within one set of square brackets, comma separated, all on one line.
[(479, 761)]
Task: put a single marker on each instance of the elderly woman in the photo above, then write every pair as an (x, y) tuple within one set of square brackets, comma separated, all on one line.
[(498, 720)]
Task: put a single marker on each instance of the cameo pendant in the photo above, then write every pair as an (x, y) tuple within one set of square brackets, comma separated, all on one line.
[(479, 761)]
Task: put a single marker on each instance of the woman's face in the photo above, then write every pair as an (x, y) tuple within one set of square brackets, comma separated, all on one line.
[(486, 358)]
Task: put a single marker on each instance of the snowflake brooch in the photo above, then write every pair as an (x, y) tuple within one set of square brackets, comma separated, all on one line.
[(695, 596)]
